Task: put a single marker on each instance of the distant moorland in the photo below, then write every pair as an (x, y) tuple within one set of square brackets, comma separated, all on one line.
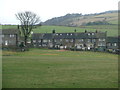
[(104, 18)]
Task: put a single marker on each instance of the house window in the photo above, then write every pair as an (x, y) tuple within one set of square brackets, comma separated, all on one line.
[(55, 40), (39, 41), (60, 34), (49, 40), (71, 34), (12, 35), (93, 34), (93, 40), (45, 40), (71, 40), (6, 42), (44, 45), (101, 44), (67, 40), (34, 41), (61, 40), (109, 44), (34, 44), (88, 40), (101, 39), (67, 34), (88, 34), (115, 44), (81, 40), (56, 34)]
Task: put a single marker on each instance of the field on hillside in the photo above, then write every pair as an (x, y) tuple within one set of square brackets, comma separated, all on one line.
[(78, 19), (43, 68), (112, 30), (9, 26)]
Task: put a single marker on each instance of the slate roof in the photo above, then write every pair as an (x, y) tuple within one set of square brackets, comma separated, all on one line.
[(10, 31), (91, 35), (64, 36), (80, 35), (37, 36), (112, 39), (47, 36)]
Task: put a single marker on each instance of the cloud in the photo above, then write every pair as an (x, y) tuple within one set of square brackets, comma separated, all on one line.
[(47, 9)]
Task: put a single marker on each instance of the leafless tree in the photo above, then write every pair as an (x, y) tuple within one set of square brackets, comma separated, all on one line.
[(28, 20)]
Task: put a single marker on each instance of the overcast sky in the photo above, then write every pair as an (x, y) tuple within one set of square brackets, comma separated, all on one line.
[(48, 9)]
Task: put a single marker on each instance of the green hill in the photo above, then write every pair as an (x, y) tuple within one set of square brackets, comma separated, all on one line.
[(108, 17), (112, 30), (106, 21)]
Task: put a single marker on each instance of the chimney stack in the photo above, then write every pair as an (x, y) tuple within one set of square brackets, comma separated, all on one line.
[(75, 30), (85, 31), (53, 31)]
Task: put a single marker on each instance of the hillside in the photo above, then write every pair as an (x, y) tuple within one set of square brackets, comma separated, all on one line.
[(104, 18), (112, 30)]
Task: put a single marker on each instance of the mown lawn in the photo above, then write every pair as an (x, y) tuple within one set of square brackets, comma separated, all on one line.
[(43, 68)]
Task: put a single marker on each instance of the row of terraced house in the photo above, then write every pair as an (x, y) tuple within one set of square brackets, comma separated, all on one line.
[(95, 41)]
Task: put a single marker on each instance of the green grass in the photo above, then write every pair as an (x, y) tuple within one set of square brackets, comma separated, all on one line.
[(9, 26), (43, 68), (112, 30)]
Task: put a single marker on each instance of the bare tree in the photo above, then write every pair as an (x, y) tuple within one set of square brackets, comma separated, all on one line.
[(28, 20)]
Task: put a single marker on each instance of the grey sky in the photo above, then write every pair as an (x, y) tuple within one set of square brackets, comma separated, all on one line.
[(47, 9)]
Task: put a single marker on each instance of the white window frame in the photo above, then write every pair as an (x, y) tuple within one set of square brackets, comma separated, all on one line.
[(115, 44), (71, 40), (39, 41), (34, 41), (101, 39), (6, 42), (101, 44), (61, 40), (93, 33), (88, 40), (66, 40), (12, 35), (80, 40), (45, 40), (88, 34)]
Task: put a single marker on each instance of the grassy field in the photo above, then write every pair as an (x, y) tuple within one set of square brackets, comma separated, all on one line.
[(43, 68), (9, 26), (112, 30)]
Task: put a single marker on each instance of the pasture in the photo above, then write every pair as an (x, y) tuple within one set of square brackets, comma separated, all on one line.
[(112, 30), (44, 68)]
